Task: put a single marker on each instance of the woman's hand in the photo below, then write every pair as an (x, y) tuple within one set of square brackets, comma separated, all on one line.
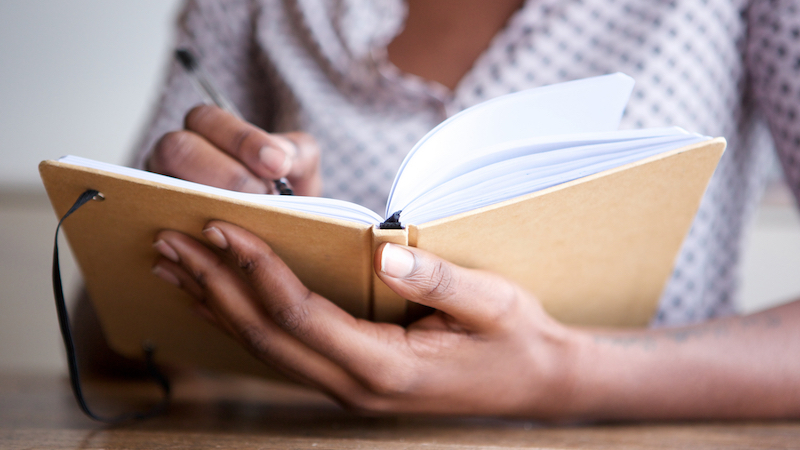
[(217, 149), (488, 349)]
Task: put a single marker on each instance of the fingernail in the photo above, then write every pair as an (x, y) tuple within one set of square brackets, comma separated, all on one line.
[(275, 160), (166, 275), (396, 261), (166, 250), (216, 237)]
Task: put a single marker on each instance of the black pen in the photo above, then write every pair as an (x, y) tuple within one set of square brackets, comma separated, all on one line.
[(213, 95)]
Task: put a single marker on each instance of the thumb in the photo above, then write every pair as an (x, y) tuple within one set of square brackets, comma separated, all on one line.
[(476, 298)]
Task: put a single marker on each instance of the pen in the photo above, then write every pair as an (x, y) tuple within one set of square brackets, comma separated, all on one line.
[(213, 95)]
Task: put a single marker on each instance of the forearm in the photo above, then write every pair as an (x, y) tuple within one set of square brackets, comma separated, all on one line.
[(738, 367)]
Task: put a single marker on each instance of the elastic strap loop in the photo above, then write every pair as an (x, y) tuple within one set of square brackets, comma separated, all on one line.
[(69, 344)]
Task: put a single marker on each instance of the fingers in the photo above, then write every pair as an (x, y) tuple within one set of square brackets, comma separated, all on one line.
[(267, 155), (221, 150), (313, 319), (462, 293), (188, 156), (225, 299), (262, 288)]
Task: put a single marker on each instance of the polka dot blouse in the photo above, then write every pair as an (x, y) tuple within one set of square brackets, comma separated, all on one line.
[(719, 67)]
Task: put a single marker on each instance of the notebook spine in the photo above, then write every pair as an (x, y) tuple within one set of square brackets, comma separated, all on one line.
[(386, 305)]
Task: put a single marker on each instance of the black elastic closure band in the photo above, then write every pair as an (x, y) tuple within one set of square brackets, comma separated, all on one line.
[(69, 344), (392, 223)]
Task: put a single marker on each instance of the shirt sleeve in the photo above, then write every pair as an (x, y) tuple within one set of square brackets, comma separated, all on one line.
[(221, 35), (773, 63)]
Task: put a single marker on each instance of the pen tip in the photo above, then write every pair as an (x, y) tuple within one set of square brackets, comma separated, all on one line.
[(186, 58)]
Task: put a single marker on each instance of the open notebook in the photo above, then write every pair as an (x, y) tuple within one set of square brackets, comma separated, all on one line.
[(537, 186), (497, 150)]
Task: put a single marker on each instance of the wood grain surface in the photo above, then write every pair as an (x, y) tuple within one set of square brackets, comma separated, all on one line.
[(222, 412)]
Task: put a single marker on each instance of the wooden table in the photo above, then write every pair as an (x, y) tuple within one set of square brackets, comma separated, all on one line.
[(217, 412)]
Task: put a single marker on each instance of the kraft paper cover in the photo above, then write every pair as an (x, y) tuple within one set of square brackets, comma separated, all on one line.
[(595, 251), (112, 242)]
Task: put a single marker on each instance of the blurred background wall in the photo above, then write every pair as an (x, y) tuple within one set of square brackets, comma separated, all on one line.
[(80, 76), (76, 77)]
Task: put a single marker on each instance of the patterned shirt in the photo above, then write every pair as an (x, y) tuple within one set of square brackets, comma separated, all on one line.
[(718, 67)]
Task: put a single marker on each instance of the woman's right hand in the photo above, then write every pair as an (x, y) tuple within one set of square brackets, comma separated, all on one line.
[(217, 149)]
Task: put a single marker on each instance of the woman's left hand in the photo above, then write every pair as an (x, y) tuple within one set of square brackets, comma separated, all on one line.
[(489, 349)]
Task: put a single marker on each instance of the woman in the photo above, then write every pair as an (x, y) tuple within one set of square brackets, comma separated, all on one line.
[(366, 80)]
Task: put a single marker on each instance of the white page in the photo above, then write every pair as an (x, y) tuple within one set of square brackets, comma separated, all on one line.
[(527, 147), (513, 178), (493, 191), (587, 105), (327, 207), (500, 149), (553, 163)]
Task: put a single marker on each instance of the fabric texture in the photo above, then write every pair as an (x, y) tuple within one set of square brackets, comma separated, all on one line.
[(718, 67)]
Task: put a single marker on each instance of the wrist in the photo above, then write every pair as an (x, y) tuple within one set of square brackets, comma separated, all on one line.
[(587, 363), (586, 379), (557, 372), (614, 373)]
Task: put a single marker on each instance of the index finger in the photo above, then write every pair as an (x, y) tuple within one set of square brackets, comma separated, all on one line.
[(266, 155)]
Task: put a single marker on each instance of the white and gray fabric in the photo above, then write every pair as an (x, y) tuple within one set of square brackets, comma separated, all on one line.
[(719, 67)]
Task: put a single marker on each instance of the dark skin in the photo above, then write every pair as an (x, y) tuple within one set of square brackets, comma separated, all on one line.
[(489, 349), (442, 39), (217, 149)]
